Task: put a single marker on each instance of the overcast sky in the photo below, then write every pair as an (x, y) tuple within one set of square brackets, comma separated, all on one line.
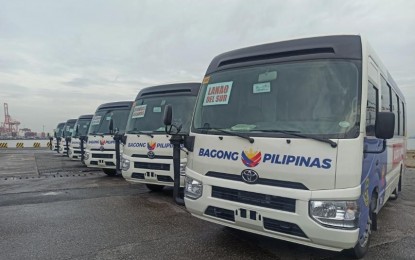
[(61, 59)]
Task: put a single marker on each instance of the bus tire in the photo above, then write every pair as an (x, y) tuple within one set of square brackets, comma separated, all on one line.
[(362, 246), (154, 187), (400, 183), (110, 172), (395, 193)]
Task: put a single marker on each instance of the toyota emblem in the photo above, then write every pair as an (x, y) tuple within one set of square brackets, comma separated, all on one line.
[(249, 176), (151, 155)]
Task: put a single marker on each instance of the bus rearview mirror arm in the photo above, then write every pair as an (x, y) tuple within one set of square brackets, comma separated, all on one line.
[(82, 140), (118, 140), (176, 140)]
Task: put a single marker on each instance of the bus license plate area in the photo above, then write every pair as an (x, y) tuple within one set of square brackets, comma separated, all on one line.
[(151, 176), (248, 216), (101, 162)]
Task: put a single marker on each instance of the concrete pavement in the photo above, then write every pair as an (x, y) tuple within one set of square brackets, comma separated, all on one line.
[(53, 208)]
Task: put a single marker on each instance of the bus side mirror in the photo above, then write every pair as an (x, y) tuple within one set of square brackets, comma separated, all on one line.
[(111, 126), (168, 115), (124, 139), (55, 135), (76, 130), (385, 125)]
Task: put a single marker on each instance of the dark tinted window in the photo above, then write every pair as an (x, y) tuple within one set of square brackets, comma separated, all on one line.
[(69, 127), (311, 97), (81, 127), (147, 113), (371, 109), (385, 96), (101, 121), (395, 109), (402, 118)]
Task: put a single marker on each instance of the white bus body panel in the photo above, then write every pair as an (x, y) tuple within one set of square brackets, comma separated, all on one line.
[(272, 165), (101, 152), (75, 149), (321, 184), (151, 172)]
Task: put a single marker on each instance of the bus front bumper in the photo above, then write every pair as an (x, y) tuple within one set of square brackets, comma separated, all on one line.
[(297, 227), (150, 171), (100, 159)]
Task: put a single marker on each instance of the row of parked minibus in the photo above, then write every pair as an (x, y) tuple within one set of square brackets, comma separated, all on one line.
[(300, 140)]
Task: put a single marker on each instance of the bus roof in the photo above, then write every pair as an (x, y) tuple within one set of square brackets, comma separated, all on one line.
[(71, 121), (61, 124), (86, 117), (116, 105), (335, 47), (169, 89)]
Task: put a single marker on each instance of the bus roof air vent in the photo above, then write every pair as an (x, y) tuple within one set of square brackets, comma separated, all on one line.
[(277, 55)]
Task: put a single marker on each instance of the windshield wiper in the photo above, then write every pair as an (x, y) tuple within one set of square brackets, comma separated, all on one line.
[(250, 139), (296, 133), (139, 132)]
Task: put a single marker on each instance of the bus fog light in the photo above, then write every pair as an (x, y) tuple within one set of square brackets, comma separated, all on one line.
[(336, 214), (125, 164), (193, 189)]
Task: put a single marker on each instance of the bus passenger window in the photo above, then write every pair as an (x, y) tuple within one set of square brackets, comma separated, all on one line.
[(371, 109), (395, 109), (402, 118), (386, 96)]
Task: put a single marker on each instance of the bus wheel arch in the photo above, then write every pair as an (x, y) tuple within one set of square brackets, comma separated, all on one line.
[(155, 187), (373, 206), (362, 245), (398, 188), (400, 178), (109, 172)]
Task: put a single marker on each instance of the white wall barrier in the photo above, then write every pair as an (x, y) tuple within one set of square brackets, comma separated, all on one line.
[(18, 144)]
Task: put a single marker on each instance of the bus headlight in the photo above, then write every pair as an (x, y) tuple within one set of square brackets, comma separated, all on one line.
[(336, 214), (193, 189), (86, 156), (183, 168), (125, 164), (70, 152)]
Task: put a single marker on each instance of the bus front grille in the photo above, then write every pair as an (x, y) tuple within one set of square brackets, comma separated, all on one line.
[(102, 155), (253, 198), (152, 166)]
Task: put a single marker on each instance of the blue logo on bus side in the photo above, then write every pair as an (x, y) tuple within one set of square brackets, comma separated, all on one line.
[(98, 142), (283, 159), (144, 145)]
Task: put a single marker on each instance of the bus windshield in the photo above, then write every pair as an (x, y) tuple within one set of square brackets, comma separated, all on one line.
[(101, 121), (309, 97), (69, 127), (59, 130), (81, 127), (147, 114)]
